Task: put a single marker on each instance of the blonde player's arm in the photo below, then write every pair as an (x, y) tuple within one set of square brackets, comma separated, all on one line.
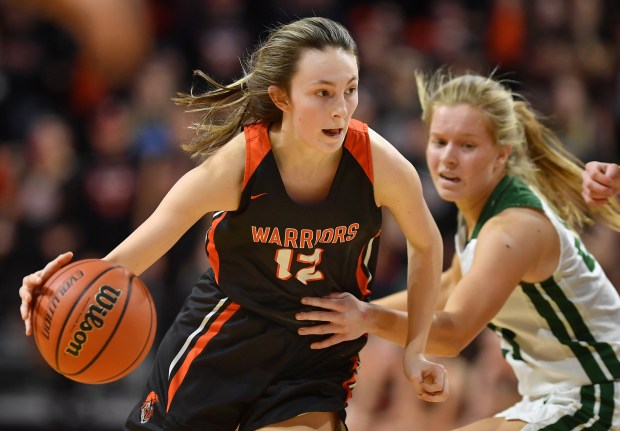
[(398, 300), (506, 253), (345, 317)]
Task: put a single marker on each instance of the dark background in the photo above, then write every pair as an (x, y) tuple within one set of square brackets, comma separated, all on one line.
[(89, 139)]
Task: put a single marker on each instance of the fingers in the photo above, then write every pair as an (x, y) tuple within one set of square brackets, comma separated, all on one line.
[(436, 397), (29, 284), (434, 383), (328, 342), (434, 387), (33, 282), (594, 200), (612, 171), (318, 316), (338, 315), (322, 330), (317, 330), (428, 378), (56, 264), (597, 187), (327, 302), (595, 168)]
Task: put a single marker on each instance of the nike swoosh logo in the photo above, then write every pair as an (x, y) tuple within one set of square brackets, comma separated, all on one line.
[(258, 195)]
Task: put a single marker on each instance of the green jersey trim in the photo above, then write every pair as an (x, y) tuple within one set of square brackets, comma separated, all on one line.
[(510, 192), (547, 297)]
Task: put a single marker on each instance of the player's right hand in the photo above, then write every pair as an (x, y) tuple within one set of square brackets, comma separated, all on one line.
[(32, 283), (429, 379), (600, 182)]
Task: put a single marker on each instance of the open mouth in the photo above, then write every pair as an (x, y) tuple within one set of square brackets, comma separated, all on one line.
[(333, 133), (450, 178)]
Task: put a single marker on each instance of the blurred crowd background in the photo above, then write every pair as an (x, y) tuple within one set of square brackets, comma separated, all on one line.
[(89, 144)]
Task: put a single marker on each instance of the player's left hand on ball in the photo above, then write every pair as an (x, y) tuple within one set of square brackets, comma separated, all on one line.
[(31, 284)]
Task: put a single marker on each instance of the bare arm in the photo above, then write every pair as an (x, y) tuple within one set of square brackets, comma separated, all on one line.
[(214, 185), (506, 253), (449, 278), (347, 318)]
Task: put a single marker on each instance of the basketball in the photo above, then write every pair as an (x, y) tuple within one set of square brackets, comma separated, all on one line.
[(94, 321)]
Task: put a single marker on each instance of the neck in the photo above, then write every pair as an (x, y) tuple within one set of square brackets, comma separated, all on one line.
[(293, 154), (472, 208)]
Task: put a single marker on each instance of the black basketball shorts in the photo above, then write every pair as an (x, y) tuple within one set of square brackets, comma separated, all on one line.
[(220, 367)]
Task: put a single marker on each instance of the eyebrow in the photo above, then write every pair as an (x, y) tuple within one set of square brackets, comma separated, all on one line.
[(460, 135), (325, 82)]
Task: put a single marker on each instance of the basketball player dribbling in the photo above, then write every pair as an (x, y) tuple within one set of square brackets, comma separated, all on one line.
[(296, 188)]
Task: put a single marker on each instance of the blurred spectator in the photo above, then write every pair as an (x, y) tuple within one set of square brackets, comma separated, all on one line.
[(90, 142), (113, 35)]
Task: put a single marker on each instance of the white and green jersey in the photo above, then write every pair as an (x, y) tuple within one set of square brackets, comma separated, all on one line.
[(564, 331)]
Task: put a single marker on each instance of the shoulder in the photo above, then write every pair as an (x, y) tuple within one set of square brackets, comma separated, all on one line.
[(232, 152), (384, 153), (524, 227), (394, 174), (222, 173), (386, 156), (520, 240), (518, 218)]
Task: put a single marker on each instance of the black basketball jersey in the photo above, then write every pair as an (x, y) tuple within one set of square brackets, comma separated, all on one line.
[(272, 251)]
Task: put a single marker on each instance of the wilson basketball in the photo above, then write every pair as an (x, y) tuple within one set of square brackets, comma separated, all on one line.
[(94, 321)]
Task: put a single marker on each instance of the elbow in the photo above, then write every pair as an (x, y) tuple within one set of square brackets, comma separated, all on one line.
[(448, 348), (453, 350), (448, 338)]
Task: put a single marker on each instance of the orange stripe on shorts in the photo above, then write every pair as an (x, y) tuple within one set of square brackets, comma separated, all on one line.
[(200, 345)]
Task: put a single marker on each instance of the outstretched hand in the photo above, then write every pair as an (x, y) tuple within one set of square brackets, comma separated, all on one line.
[(32, 283), (600, 182), (429, 379), (342, 315)]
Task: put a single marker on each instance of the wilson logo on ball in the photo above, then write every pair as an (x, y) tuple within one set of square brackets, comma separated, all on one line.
[(53, 304), (105, 300), (94, 321)]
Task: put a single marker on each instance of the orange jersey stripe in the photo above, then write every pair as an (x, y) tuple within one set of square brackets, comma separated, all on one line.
[(256, 146), (362, 279), (201, 343), (349, 384), (214, 256), (361, 151)]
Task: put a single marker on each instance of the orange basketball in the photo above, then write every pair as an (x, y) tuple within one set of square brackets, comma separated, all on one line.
[(94, 321)]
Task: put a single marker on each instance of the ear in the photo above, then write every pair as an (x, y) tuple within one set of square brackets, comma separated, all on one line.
[(502, 157), (279, 98)]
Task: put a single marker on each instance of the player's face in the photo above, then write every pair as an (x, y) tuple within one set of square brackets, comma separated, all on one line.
[(463, 161), (323, 97)]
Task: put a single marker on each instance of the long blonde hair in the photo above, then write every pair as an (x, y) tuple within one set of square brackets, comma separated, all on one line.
[(227, 108), (537, 156)]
